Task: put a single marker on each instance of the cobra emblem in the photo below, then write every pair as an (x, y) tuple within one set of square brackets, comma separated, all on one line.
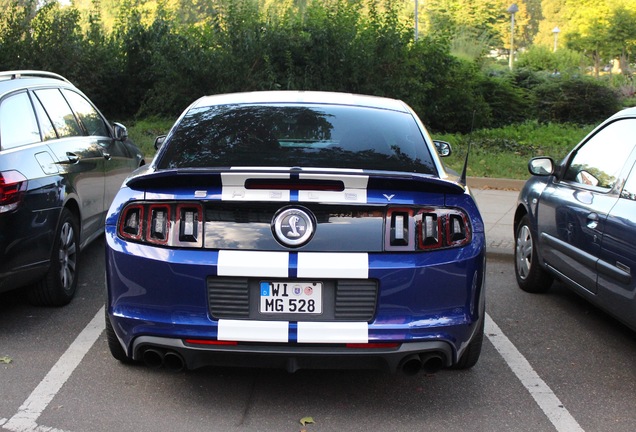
[(293, 225)]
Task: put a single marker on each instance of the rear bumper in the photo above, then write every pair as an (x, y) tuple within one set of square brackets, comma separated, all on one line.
[(428, 304)]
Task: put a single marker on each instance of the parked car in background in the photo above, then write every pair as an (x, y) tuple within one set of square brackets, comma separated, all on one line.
[(61, 163), (575, 220), (296, 230)]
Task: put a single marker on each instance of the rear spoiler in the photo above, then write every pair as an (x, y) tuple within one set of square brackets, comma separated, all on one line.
[(177, 178)]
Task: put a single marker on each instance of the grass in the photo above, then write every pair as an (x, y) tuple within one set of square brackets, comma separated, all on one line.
[(505, 152), (143, 133), (494, 153)]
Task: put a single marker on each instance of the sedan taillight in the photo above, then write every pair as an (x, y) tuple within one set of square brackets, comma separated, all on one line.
[(12, 187)]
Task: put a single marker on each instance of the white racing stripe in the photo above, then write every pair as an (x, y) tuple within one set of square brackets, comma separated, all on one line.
[(253, 331), (253, 263), (538, 389), (333, 332), (333, 265)]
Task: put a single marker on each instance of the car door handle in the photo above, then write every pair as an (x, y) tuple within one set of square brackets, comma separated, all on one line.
[(592, 220), (72, 158)]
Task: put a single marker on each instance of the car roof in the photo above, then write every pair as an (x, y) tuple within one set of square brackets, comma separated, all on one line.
[(13, 80), (627, 112), (302, 97)]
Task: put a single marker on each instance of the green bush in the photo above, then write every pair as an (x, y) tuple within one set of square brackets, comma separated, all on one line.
[(541, 58), (575, 100)]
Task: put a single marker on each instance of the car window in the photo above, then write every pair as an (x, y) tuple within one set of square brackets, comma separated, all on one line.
[(46, 127), (600, 160), (88, 115), (18, 125), (298, 135), (59, 112)]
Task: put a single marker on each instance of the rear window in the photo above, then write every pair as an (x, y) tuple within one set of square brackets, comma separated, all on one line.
[(324, 136)]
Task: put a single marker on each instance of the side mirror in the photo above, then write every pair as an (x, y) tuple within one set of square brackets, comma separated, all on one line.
[(444, 149), (159, 141), (541, 166), (120, 132)]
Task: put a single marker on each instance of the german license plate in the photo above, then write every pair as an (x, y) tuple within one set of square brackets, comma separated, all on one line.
[(291, 297)]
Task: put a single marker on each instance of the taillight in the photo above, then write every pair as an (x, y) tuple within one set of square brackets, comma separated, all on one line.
[(131, 222), (410, 229), (189, 222), (167, 224), (12, 187), (158, 224)]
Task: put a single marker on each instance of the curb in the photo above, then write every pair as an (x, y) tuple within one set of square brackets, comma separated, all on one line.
[(495, 183)]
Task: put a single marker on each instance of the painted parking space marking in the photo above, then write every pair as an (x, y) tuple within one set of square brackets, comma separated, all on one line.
[(25, 419), (538, 389)]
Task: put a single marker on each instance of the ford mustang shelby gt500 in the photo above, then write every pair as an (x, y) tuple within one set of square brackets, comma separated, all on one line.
[(296, 230)]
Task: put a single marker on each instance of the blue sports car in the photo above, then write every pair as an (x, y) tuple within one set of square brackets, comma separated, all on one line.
[(296, 230)]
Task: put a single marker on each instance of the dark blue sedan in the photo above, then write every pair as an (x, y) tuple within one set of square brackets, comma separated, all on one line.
[(575, 220), (296, 230)]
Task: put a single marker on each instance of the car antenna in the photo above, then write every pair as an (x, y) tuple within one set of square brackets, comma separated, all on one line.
[(462, 178)]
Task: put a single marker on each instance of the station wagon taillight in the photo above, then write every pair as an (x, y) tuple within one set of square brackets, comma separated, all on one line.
[(12, 187)]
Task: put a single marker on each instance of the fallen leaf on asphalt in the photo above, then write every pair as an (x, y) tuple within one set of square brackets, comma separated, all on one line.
[(306, 420), (5, 360)]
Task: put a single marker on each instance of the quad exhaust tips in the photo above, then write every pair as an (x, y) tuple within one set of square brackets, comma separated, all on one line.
[(171, 360), (429, 363)]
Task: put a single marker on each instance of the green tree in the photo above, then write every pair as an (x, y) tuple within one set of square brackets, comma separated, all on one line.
[(622, 37)]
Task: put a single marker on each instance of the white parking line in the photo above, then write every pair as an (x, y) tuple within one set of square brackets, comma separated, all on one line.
[(25, 419), (538, 389)]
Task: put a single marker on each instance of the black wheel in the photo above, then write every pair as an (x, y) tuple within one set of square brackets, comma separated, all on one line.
[(471, 354), (113, 344), (58, 287), (531, 277)]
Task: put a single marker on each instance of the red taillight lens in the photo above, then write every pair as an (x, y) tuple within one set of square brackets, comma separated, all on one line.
[(12, 187), (131, 222), (209, 342), (373, 345), (189, 218), (430, 231), (439, 228), (169, 224), (158, 224)]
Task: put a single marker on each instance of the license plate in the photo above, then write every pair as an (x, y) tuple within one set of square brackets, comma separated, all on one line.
[(291, 297)]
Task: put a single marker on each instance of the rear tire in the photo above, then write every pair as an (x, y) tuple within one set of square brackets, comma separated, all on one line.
[(471, 354), (114, 346), (531, 277), (58, 287)]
